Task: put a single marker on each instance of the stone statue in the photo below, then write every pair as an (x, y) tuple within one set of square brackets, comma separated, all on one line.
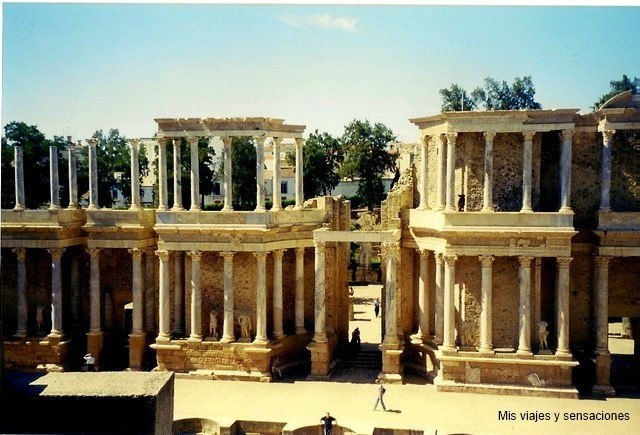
[(535, 379), (543, 334), (213, 324), (245, 326), (40, 317)]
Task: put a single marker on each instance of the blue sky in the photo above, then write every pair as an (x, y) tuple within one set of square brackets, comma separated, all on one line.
[(71, 69)]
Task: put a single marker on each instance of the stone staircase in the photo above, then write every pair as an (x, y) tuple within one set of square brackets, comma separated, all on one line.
[(365, 359)]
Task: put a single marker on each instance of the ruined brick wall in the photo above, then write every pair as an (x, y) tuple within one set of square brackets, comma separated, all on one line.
[(580, 300), (467, 300), (624, 276), (471, 164), (506, 296), (625, 171), (400, 197), (507, 171), (432, 171), (586, 168)]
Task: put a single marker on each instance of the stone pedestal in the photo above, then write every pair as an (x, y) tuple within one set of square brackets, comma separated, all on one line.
[(137, 349), (320, 360), (95, 344), (603, 375), (392, 367)]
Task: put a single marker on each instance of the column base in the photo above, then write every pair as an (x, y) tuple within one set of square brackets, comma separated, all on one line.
[(449, 209), (177, 208), (194, 339), (320, 360), (320, 337), (260, 341), (301, 331), (488, 210), (227, 339), (486, 350), (563, 353), (95, 207), (95, 344), (227, 208), (195, 209), (163, 338), (274, 209), (565, 210), (20, 335), (526, 210), (524, 352), (260, 209), (18, 208), (603, 390), (162, 208), (278, 334), (439, 208)]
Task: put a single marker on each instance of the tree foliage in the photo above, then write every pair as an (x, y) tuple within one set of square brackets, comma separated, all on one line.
[(243, 172), (456, 99), (367, 158), (616, 87), (495, 95)]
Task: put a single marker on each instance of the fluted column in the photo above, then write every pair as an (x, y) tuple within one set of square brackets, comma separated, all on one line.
[(602, 304), (526, 171), (73, 178), (162, 175), (299, 174), (136, 290), (605, 174), (18, 161), (441, 180), (486, 315), (424, 186), (195, 174), (439, 317), (261, 298), (227, 327), (259, 174), (196, 297), (56, 292), (93, 174), (487, 204), (150, 291), (391, 254), (21, 284), (449, 340), (277, 293), (423, 333), (94, 290), (135, 174), (451, 170), (227, 141), (565, 171), (562, 306), (54, 178), (277, 197), (177, 176), (524, 312), (320, 334), (164, 317), (178, 296), (300, 291)]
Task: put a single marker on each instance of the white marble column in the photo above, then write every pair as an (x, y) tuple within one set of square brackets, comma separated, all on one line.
[(299, 173), (449, 340), (439, 317), (196, 297), (177, 176), (391, 254), (228, 334), (423, 333), (487, 204), (136, 290), (18, 161), (300, 291), (441, 180), (602, 304), (486, 315), (424, 186), (73, 178), (164, 315), (526, 171), (524, 311), (320, 334), (54, 178), (227, 141), (261, 298), (451, 171), (277, 193), (178, 296), (163, 192), (562, 306), (565, 171), (259, 173), (94, 290), (605, 174), (56, 292), (21, 284), (277, 293), (150, 291), (135, 174), (93, 174), (195, 174)]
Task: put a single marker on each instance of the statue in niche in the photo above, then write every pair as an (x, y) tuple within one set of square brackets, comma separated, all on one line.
[(213, 324), (543, 334), (40, 317), (245, 326)]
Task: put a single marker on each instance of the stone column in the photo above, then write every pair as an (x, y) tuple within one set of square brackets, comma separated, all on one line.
[(277, 293), (18, 161), (487, 204), (56, 292), (162, 175), (93, 174), (524, 312), (74, 278), (136, 290), (277, 197), (94, 290), (228, 182), (451, 171), (54, 178), (21, 284), (320, 335), (259, 174), (196, 297), (299, 174), (227, 328), (449, 339), (261, 298), (565, 171), (135, 174), (562, 306), (177, 176), (423, 333), (486, 315), (440, 181), (424, 191), (526, 171), (73, 178), (605, 175), (150, 292), (178, 296), (391, 253), (195, 175), (164, 317), (602, 304), (439, 317), (300, 291)]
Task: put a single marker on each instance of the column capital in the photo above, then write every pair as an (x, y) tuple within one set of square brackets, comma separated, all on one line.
[(226, 140), (134, 143), (193, 140), (486, 260), (525, 262), (424, 253), (608, 134), (261, 256), (195, 255), (567, 134), (276, 141), (92, 142), (135, 253), (162, 141), (21, 253), (227, 255), (320, 246), (564, 262), (528, 135), (439, 256), (450, 259), (56, 253), (94, 253), (277, 254), (163, 255), (177, 141), (259, 140), (451, 137), (391, 248), (601, 261), (299, 142), (424, 140), (489, 136), (300, 251)]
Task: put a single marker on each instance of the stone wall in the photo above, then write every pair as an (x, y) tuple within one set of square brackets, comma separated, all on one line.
[(586, 168), (625, 171), (580, 300), (467, 301), (624, 276), (40, 354), (506, 295)]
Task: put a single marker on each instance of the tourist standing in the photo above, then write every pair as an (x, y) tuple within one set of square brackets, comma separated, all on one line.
[(381, 391), (91, 361), (327, 421), (376, 307)]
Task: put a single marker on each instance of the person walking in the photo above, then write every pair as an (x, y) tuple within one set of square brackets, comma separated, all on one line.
[(381, 391), (376, 307), (327, 421)]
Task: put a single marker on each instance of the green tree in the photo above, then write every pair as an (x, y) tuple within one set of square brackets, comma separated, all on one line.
[(243, 172), (616, 87), (322, 156), (367, 158), (501, 96), (456, 99)]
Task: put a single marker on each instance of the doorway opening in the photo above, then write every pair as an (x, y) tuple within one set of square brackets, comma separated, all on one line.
[(549, 172), (624, 345)]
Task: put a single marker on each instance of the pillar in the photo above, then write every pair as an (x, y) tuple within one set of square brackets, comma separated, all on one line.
[(73, 178), (524, 312), (21, 284), (178, 296), (195, 175), (261, 298), (164, 318), (565, 171), (74, 278), (487, 196), (451, 171), (227, 327), (259, 174), (94, 290), (162, 175), (424, 191), (54, 178), (391, 255), (18, 161), (227, 141), (448, 342), (605, 175), (277, 293), (300, 291), (93, 174), (299, 174), (423, 299), (562, 306), (177, 176), (602, 304), (56, 292), (440, 181), (277, 189), (320, 335), (196, 297), (135, 174), (439, 317), (150, 292), (526, 171), (136, 290), (486, 298)]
